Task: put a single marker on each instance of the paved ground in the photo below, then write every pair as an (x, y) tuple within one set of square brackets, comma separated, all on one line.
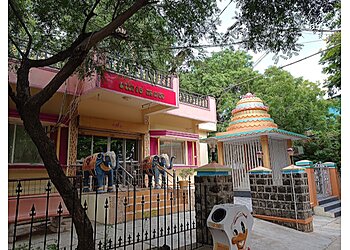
[(267, 235)]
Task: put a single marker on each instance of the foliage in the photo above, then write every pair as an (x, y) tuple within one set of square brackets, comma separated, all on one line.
[(185, 173), (214, 76), (332, 61), (295, 104), (325, 144), (276, 25)]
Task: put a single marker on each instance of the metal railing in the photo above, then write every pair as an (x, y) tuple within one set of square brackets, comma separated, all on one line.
[(193, 99), (130, 68), (144, 219), (113, 63)]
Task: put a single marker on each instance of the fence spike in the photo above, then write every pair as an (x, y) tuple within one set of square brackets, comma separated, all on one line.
[(106, 203), (48, 189), (60, 210), (19, 188)]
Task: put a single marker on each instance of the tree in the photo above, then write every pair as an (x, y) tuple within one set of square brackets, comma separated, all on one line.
[(74, 32), (332, 61), (214, 76), (331, 58), (295, 104)]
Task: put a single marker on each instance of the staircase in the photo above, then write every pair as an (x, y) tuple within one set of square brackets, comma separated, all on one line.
[(126, 210), (328, 207)]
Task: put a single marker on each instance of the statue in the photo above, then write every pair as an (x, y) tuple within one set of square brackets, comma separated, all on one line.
[(99, 165), (156, 165)]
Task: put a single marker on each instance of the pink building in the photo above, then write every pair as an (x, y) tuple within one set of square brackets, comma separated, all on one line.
[(129, 109)]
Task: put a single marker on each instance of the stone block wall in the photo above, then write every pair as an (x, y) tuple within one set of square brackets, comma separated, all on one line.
[(210, 191), (276, 203)]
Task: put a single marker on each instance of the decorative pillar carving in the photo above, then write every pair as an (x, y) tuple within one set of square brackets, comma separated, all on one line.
[(146, 137), (72, 146)]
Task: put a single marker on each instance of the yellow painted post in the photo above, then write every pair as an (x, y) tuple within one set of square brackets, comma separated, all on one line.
[(265, 149), (220, 152), (333, 174)]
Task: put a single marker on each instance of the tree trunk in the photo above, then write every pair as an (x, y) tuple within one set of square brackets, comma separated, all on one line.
[(46, 148)]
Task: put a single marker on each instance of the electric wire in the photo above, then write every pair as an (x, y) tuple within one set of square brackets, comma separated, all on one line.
[(281, 67)]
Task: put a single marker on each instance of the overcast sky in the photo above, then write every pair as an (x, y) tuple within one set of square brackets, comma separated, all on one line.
[(309, 69)]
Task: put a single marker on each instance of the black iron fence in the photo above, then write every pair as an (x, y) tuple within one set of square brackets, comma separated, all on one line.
[(144, 218)]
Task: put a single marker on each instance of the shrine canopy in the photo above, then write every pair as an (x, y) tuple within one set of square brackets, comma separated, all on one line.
[(251, 119)]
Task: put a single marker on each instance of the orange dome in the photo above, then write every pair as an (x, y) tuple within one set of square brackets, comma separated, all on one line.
[(250, 113)]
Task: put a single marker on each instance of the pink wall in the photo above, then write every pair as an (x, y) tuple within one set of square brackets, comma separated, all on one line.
[(39, 78), (154, 146), (196, 113), (189, 153)]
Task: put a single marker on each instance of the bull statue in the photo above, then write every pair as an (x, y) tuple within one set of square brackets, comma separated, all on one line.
[(156, 165), (99, 165)]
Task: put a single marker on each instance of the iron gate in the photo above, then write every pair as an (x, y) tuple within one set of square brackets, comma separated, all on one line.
[(322, 179)]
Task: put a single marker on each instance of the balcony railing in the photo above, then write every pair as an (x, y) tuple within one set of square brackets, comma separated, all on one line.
[(193, 99), (113, 63), (130, 68)]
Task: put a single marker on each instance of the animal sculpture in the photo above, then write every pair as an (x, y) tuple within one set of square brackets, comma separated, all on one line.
[(156, 165), (99, 165)]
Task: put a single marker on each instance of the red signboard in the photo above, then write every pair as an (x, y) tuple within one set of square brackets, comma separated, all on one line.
[(138, 88)]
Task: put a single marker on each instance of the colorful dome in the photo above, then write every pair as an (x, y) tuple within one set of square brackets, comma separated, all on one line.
[(250, 114)]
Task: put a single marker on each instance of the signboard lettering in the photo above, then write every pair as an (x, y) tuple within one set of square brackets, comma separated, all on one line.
[(138, 88)]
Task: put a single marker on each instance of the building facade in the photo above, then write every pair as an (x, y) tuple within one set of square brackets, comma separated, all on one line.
[(129, 109)]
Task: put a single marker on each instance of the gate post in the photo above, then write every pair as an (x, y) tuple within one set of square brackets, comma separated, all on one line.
[(213, 185), (333, 176), (309, 169)]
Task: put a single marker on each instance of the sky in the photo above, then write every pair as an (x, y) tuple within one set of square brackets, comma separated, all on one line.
[(309, 69)]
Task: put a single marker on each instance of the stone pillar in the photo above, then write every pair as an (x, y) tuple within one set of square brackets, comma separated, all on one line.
[(220, 152), (287, 204), (265, 149), (209, 191), (334, 178), (309, 169)]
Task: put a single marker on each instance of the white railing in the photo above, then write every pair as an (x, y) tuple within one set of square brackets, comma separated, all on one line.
[(242, 157)]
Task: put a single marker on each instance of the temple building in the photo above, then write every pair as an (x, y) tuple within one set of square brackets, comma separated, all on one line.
[(250, 134)]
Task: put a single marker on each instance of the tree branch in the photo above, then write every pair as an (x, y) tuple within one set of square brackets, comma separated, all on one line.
[(30, 39), (17, 47), (13, 95), (115, 10), (80, 52), (61, 56), (90, 15)]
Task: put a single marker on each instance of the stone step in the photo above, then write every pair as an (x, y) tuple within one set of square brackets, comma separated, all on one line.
[(153, 204), (327, 200), (336, 212), (332, 208), (331, 205)]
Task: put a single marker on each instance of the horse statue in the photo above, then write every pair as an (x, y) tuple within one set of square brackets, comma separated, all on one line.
[(99, 165), (156, 165)]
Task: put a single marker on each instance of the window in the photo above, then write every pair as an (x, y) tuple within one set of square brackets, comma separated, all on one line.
[(174, 148), (21, 147), (90, 144)]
